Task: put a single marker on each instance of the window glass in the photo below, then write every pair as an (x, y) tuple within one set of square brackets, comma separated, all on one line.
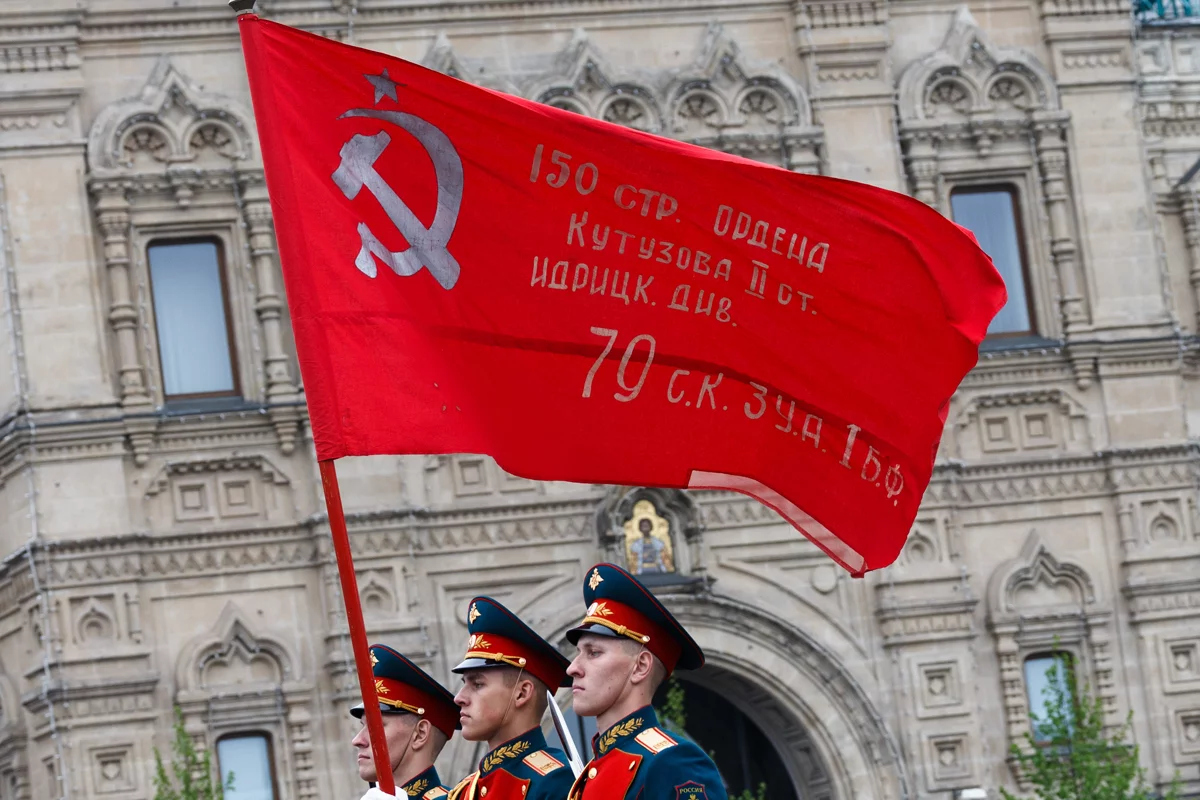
[(1037, 686), (189, 314), (991, 215), (249, 759)]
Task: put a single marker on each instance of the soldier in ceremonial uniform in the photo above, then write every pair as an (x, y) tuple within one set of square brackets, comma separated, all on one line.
[(628, 645), (506, 672), (419, 717)]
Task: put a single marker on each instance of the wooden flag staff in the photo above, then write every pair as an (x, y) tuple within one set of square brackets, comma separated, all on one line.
[(354, 615)]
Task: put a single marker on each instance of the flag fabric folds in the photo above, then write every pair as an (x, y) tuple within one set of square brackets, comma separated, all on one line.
[(470, 272)]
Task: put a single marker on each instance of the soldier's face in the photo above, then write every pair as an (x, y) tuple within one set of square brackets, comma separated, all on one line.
[(482, 701), (601, 671), (397, 729)]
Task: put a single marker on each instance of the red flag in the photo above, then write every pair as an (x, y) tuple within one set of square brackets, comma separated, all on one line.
[(472, 272)]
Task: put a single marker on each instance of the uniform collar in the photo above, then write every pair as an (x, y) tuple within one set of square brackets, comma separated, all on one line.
[(624, 729), (421, 784), (514, 749)]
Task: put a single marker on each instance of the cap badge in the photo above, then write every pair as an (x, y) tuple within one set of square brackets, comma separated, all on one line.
[(595, 580), (379, 687), (374, 658), (473, 614), (598, 609)]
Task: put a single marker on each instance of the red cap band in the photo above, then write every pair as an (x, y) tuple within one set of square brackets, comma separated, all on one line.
[(629, 622)]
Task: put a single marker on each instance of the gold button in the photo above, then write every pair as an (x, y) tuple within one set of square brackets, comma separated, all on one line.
[(483, 791), (591, 773), (522, 790), (632, 764)]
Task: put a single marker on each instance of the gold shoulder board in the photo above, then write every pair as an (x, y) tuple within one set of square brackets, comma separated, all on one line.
[(542, 762), (654, 740)]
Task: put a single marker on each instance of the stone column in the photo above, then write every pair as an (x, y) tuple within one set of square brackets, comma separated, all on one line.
[(1190, 215), (112, 214), (268, 305), (1051, 148), (921, 159)]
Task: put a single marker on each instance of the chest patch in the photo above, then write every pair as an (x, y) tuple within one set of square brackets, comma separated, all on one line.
[(690, 791), (542, 762), (654, 740)]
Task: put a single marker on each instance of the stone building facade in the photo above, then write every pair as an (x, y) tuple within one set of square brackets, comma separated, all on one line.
[(162, 548)]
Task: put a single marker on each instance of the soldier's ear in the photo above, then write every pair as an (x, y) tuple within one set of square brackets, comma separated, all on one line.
[(423, 734), (644, 669)]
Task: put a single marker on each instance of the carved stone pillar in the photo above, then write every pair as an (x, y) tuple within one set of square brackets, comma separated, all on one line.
[(112, 214), (1051, 146), (300, 733), (922, 160), (1190, 213), (1052, 163), (268, 305)]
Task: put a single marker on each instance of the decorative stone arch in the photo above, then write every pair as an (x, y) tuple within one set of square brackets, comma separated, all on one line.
[(1037, 602), (172, 107), (834, 741), (757, 110), (176, 160), (234, 679), (969, 60), (721, 100), (971, 112), (721, 68)]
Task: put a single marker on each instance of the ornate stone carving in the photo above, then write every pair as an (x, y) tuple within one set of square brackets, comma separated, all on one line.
[(234, 491), (721, 100), (1022, 424), (1037, 602), (172, 122)]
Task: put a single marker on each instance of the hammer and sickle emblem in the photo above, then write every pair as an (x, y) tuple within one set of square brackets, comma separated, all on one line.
[(426, 246)]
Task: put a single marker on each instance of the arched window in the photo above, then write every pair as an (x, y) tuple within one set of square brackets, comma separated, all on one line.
[(248, 757)]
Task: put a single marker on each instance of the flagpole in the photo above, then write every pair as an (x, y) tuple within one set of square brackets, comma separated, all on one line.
[(354, 621), (358, 631)]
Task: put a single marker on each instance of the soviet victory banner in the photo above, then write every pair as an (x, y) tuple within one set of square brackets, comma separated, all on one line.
[(472, 272)]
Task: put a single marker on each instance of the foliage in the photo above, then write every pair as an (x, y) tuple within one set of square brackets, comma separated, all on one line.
[(746, 794), (673, 711), (1068, 755), (673, 716), (192, 769)]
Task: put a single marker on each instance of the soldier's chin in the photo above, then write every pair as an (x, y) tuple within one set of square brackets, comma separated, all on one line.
[(584, 705)]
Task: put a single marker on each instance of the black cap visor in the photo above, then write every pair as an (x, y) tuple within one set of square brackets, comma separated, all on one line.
[(358, 711), (591, 627), (478, 663)]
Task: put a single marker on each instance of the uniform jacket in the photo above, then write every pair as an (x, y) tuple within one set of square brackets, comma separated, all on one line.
[(637, 760), (523, 768), (426, 786)]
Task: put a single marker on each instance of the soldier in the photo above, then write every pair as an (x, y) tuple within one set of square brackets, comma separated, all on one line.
[(628, 645), (419, 717), (506, 672)]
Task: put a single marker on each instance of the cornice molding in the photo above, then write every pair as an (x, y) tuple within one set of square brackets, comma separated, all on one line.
[(1102, 474)]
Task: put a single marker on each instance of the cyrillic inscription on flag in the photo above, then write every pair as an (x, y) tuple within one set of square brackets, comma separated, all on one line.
[(477, 273)]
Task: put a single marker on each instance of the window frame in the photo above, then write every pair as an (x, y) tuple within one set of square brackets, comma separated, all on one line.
[(1014, 195), (226, 305), (249, 734)]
